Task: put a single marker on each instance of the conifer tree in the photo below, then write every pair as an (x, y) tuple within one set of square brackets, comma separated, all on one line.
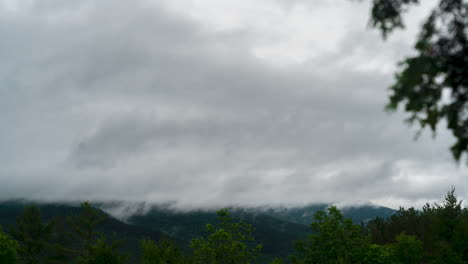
[(102, 252), (92, 246), (334, 240), (228, 243), (164, 252), (33, 236)]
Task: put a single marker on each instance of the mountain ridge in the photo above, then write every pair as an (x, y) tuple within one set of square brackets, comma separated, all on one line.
[(275, 228)]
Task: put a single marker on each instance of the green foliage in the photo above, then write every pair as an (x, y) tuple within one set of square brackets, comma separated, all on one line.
[(92, 246), (441, 229), (386, 14), (451, 227), (228, 243), (8, 249), (408, 249), (433, 84), (377, 254), (436, 234), (277, 261), (33, 235), (335, 240), (448, 215), (102, 252), (84, 228), (85, 224), (446, 254), (274, 233), (165, 252)]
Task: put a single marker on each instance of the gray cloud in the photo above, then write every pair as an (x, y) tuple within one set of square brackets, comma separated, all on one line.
[(128, 101)]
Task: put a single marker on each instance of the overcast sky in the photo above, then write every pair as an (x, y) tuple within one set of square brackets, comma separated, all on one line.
[(210, 103)]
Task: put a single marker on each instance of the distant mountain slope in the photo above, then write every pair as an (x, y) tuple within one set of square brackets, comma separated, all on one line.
[(275, 228), (274, 234), (305, 214), (366, 213), (131, 234)]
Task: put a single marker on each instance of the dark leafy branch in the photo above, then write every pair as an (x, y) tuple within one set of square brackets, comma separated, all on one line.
[(432, 86)]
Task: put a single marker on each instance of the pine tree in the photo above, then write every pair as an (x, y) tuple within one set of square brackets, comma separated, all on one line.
[(33, 235), (228, 243), (334, 240), (164, 252)]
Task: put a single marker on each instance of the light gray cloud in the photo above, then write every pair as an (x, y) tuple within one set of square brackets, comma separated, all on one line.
[(120, 100)]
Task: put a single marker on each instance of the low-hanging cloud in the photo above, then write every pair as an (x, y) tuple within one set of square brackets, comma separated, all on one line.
[(130, 100)]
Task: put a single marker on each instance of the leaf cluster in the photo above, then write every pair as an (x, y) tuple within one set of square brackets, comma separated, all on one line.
[(432, 85)]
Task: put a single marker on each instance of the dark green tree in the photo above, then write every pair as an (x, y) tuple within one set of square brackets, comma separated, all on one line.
[(433, 84), (407, 249), (62, 242), (85, 232), (91, 246), (8, 249), (228, 243), (102, 252), (377, 254), (445, 254), (442, 229), (277, 261), (459, 239), (33, 235), (334, 240), (448, 215), (164, 252), (451, 228)]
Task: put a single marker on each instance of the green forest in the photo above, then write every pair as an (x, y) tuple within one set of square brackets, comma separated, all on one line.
[(435, 234)]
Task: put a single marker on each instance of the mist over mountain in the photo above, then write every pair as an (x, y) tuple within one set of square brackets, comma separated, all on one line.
[(275, 227), (300, 214)]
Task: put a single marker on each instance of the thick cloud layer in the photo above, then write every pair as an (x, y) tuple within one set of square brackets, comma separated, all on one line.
[(208, 103)]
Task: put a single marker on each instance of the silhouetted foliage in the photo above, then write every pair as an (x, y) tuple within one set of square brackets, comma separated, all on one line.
[(84, 228), (102, 252), (386, 15), (433, 84), (33, 235), (92, 246)]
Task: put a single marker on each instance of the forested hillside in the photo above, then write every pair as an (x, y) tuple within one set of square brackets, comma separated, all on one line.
[(275, 228), (54, 233), (60, 214)]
